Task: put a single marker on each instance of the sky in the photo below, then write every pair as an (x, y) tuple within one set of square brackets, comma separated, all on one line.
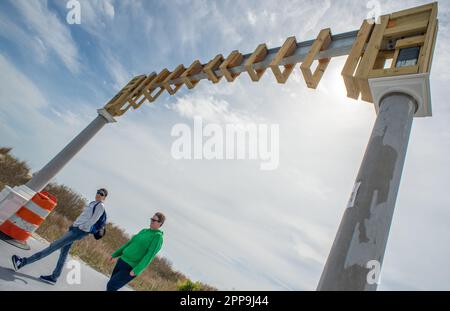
[(229, 223)]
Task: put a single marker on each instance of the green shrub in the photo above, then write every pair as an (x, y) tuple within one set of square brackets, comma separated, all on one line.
[(188, 285)]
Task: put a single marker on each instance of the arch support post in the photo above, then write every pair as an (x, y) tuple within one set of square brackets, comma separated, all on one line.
[(11, 199), (356, 257)]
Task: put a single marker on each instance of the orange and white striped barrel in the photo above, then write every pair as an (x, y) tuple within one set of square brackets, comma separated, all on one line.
[(29, 217)]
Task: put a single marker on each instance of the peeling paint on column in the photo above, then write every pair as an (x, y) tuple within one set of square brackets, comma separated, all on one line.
[(360, 245), (363, 233)]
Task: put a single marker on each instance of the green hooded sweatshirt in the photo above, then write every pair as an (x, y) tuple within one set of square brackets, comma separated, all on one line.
[(141, 249)]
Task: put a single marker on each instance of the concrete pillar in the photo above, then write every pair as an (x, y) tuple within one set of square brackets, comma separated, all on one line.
[(46, 174), (355, 259)]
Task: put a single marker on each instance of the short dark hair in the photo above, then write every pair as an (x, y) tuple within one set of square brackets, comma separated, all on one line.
[(104, 190), (161, 217)]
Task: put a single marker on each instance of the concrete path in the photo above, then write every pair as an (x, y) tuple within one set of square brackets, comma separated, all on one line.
[(27, 278)]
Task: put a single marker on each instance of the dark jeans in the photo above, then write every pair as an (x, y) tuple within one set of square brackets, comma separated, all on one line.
[(64, 243), (120, 276)]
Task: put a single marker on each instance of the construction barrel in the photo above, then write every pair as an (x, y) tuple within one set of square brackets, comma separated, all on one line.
[(19, 227)]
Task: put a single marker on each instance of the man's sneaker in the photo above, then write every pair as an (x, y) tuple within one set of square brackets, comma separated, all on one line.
[(48, 279), (17, 262)]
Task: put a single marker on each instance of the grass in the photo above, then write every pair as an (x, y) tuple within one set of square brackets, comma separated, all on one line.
[(159, 276)]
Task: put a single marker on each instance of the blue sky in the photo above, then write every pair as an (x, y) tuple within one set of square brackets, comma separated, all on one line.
[(229, 223)]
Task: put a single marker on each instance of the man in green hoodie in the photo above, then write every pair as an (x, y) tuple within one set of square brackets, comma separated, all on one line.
[(137, 254)]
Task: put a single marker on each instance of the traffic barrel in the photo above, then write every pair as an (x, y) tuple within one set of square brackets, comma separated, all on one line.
[(20, 226)]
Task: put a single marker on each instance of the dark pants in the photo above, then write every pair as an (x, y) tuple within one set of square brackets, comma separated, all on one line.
[(64, 243), (120, 276)]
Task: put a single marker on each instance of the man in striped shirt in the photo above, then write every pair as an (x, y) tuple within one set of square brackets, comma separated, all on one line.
[(79, 230)]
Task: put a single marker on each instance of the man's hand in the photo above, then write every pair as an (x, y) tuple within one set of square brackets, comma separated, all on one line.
[(111, 259), (132, 273)]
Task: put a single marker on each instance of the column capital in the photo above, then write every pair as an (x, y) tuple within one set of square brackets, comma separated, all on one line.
[(104, 113), (415, 85)]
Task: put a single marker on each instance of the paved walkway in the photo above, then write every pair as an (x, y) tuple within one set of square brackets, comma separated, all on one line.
[(27, 278)]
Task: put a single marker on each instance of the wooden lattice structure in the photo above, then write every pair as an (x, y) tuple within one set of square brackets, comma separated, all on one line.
[(406, 39), (378, 47)]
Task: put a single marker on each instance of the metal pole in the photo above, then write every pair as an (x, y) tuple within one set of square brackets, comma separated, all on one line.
[(43, 177), (355, 259), (341, 44)]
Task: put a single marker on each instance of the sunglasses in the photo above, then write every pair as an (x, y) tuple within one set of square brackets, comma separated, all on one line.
[(101, 193), (155, 220)]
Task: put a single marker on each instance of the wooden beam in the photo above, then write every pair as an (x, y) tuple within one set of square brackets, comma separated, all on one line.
[(406, 20), (434, 44), (137, 93), (369, 58), (410, 42), (150, 88), (378, 73), (212, 66), (322, 42), (382, 57), (194, 68), (406, 30), (175, 74), (412, 11), (116, 106), (394, 60), (353, 59), (234, 59), (288, 48), (258, 55), (426, 50)]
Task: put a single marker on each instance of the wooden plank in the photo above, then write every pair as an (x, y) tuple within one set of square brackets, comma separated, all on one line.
[(351, 84), (195, 68), (123, 93), (382, 57), (137, 93), (406, 30), (116, 106), (212, 66), (369, 58), (258, 55), (378, 73), (174, 75), (394, 60), (434, 44), (234, 59), (149, 89), (322, 42), (379, 63), (410, 42), (426, 50), (412, 11), (424, 16), (288, 48), (353, 59), (386, 53)]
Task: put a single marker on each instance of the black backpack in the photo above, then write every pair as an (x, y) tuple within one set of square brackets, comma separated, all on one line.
[(99, 228)]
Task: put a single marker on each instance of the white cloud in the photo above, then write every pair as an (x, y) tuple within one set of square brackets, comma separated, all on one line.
[(251, 18), (51, 31), (116, 70), (97, 15), (29, 44), (98, 19), (28, 101), (210, 109), (24, 112), (29, 123)]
